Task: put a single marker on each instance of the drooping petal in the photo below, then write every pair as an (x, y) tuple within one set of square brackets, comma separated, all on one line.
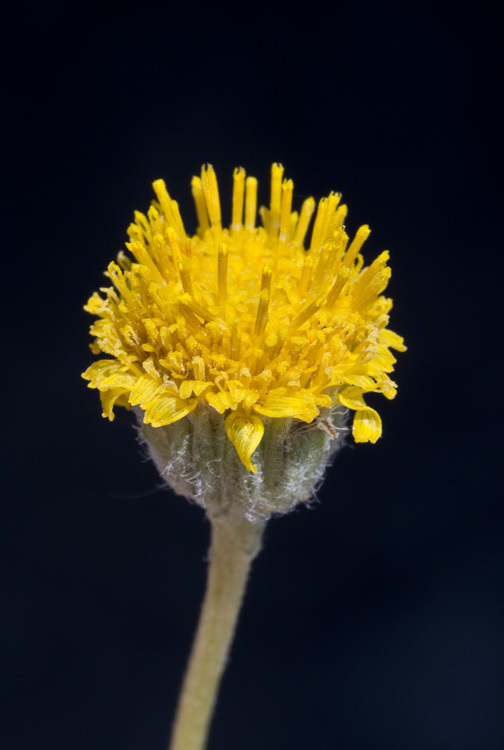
[(245, 432), (111, 398), (161, 403), (352, 398), (113, 381), (108, 373), (367, 426), (169, 409), (281, 403), (362, 381)]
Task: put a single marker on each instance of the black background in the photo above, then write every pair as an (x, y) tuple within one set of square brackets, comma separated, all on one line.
[(373, 619)]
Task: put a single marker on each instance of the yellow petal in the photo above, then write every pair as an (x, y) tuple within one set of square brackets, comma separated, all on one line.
[(352, 398), (145, 391), (119, 380), (220, 401), (161, 403), (237, 391), (367, 426), (102, 371), (250, 398), (323, 399), (111, 398), (391, 339), (245, 432), (362, 381), (280, 403), (95, 302), (188, 387), (169, 409)]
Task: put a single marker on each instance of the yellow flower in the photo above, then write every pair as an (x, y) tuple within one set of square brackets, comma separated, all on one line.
[(246, 319)]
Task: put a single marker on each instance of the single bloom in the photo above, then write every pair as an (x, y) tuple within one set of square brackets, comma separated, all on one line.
[(252, 322)]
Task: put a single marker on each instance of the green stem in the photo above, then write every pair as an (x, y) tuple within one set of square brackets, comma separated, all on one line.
[(234, 545)]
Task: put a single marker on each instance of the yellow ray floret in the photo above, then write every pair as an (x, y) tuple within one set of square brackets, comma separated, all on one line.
[(244, 320)]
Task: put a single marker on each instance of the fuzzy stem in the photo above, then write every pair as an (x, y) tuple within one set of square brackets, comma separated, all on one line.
[(234, 545)]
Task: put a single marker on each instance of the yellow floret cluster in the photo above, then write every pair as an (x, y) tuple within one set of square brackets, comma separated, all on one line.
[(249, 320)]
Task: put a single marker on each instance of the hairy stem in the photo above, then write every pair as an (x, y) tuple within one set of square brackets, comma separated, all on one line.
[(233, 547)]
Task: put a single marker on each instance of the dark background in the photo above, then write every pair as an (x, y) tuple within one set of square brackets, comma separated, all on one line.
[(373, 620)]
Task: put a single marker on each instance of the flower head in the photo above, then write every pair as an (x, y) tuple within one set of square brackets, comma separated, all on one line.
[(250, 321)]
